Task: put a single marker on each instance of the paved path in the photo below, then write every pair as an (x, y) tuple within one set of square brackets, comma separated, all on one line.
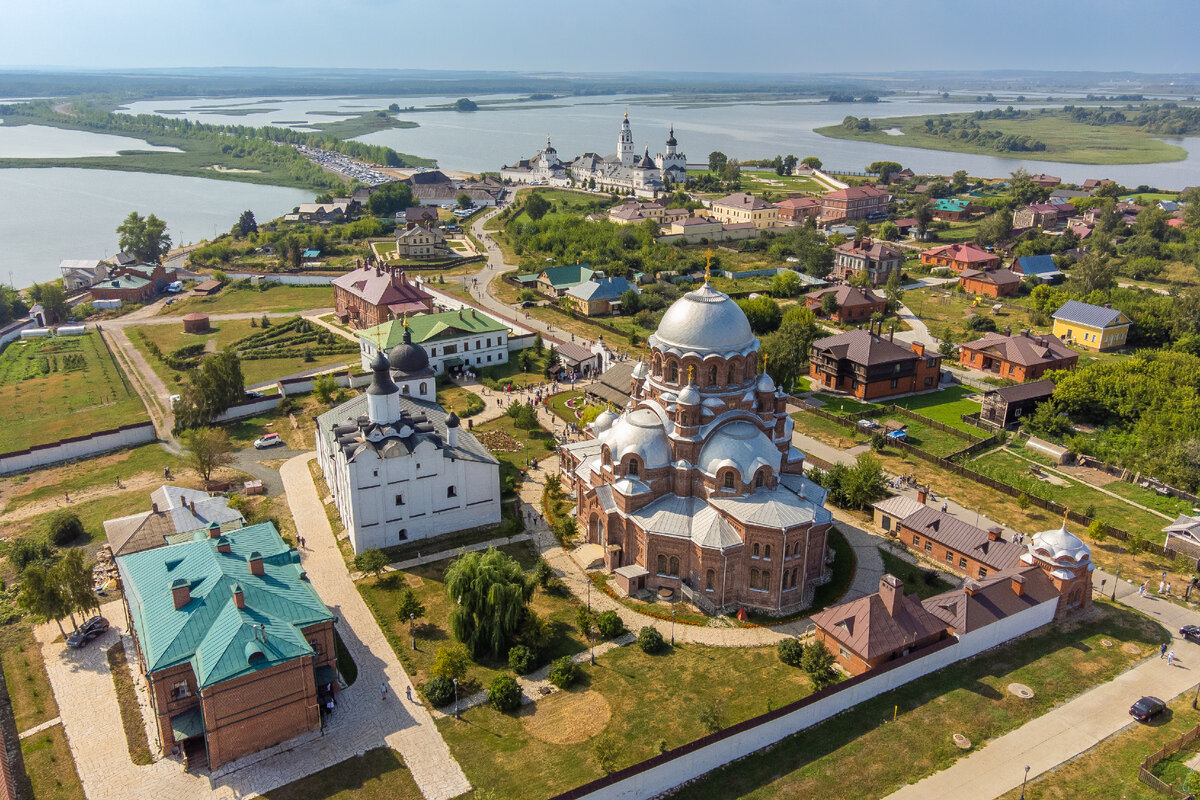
[(1074, 727), (920, 331), (154, 393), (50, 723), (405, 726)]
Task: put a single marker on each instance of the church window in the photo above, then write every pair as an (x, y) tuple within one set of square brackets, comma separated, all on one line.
[(424, 388), (674, 567), (758, 481), (767, 552), (729, 479), (673, 372), (794, 572), (756, 551), (403, 534), (710, 578), (753, 579), (766, 580), (399, 499), (732, 375), (633, 467), (406, 388), (451, 491), (662, 564), (712, 376), (433, 351)]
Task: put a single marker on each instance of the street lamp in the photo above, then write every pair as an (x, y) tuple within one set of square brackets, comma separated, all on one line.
[(672, 626), (412, 618), (1115, 582), (456, 700), (1023, 782), (589, 591), (592, 643)]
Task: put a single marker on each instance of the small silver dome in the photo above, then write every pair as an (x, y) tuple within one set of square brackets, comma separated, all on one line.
[(690, 396), (740, 444), (765, 384), (604, 421), (639, 432), (1060, 544)]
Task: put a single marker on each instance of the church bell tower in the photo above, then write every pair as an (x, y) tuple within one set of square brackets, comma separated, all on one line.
[(625, 143)]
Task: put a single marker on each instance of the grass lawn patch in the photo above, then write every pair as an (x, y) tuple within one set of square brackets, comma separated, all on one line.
[(50, 767), (828, 431), (943, 309), (459, 400), (25, 675), (915, 576), (843, 573), (568, 405), (513, 446), (1058, 662), (377, 774), (267, 297), (842, 405), (64, 386), (928, 438), (945, 406), (131, 715), (1172, 506), (77, 477)]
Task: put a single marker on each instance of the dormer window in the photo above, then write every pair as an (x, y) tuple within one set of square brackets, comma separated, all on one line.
[(729, 479), (758, 481), (633, 468)]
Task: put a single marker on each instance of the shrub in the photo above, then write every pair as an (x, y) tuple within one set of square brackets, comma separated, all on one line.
[(504, 694), (439, 691), (451, 662), (1098, 531), (29, 550), (791, 651), (564, 672), (650, 640), (1023, 502), (981, 324), (521, 659), (711, 715), (542, 572), (604, 749), (610, 624), (818, 662), (65, 527)]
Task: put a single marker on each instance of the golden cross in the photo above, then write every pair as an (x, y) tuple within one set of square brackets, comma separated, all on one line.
[(1066, 514), (692, 374), (765, 357), (707, 264), (404, 319)]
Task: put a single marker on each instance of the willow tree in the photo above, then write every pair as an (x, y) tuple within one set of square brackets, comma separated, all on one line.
[(42, 597), (490, 592)]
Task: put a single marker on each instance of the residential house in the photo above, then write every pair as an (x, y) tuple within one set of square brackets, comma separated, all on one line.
[(868, 632), (1095, 183), (1008, 405), (233, 641), (555, 281), (958, 257), (126, 288), (369, 296), (854, 203), (425, 216), (951, 209), (636, 212), (1069, 194), (980, 603), (906, 225), (175, 511), (957, 545), (795, 210), (889, 512), (80, 274), (420, 243), (853, 304), (741, 207), (991, 282), (1092, 327), (158, 275), (1046, 181), (1047, 216), (1022, 357), (599, 296), (1042, 266), (864, 364), (453, 340), (1183, 535), (322, 212), (876, 258)]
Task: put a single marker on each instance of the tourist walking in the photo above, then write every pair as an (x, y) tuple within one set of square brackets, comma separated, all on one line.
[(1168, 588), (1171, 659), (383, 691), (1162, 650), (1161, 585)]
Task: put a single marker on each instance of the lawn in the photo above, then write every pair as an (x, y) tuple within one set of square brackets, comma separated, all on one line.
[(571, 413), (131, 715), (915, 576), (842, 405), (1005, 466), (943, 309), (455, 398), (1058, 662), (828, 431), (928, 438), (946, 406), (377, 774), (25, 676), (82, 476), (64, 386), (512, 445), (757, 181), (170, 337), (267, 297), (50, 767)]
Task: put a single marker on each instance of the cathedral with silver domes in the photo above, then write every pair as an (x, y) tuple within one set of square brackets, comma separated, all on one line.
[(695, 487)]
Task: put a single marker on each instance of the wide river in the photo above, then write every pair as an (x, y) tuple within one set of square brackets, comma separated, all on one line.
[(71, 213)]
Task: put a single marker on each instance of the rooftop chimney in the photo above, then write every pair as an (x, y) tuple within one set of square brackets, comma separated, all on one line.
[(239, 599), (256, 563), (223, 545), (155, 507), (970, 586), (214, 530), (891, 589), (994, 535), (1018, 585), (181, 592), (891, 332), (922, 494)]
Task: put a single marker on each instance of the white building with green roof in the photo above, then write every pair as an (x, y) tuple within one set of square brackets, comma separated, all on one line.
[(452, 339)]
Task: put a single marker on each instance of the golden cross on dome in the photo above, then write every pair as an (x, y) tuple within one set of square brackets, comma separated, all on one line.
[(765, 357), (692, 374), (404, 319), (707, 264), (1066, 513)]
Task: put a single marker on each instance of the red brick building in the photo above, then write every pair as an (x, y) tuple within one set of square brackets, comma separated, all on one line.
[(1023, 357), (957, 545), (853, 304), (854, 202), (874, 257), (959, 257), (126, 288), (370, 296), (870, 367), (795, 210), (990, 282)]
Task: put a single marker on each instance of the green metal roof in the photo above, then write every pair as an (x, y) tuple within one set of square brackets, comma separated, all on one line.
[(567, 275), (950, 204), (220, 640), (428, 327), (188, 724)]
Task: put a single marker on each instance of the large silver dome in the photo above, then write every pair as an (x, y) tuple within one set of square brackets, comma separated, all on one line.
[(704, 321), (641, 433)]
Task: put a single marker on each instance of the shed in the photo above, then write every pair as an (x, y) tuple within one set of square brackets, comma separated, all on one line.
[(35, 333), (1059, 454), (195, 323), (70, 330), (207, 287)]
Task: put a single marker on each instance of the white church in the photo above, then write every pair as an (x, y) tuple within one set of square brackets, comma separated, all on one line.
[(623, 171), (401, 468)]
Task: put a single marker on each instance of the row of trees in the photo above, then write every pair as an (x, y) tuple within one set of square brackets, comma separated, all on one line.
[(51, 592)]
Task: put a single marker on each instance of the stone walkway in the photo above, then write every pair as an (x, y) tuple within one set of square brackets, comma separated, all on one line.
[(36, 729), (442, 555)]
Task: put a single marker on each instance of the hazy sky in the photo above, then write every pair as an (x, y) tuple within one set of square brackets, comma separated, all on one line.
[(606, 36)]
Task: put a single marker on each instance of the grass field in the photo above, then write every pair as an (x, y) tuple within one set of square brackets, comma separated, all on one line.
[(1065, 140), (377, 774), (928, 438), (50, 767), (827, 431), (558, 404), (946, 406), (25, 676), (272, 297), (842, 405), (941, 308), (65, 386), (99, 472)]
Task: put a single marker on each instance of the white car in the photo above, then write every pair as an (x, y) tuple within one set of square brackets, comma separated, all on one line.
[(267, 440)]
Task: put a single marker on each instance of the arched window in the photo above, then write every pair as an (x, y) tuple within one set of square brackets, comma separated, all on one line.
[(403, 534), (405, 389), (756, 552), (607, 458), (766, 580), (712, 376), (729, 479), (753, 579), (633, 467), (657, 366), (767, 552), (732, 375), (758, 481), (710, 578), (674, 567), (673, 372), (424, 387), (662, 564), (794, 572), (451, 491)]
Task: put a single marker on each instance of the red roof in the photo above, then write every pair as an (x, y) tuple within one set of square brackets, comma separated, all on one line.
[(380, 287), (966, 252), (799, 202), (855, 193)]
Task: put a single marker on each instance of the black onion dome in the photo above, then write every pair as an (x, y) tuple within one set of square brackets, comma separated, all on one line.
[(452, 420), (671, 137), (382, 383), (407, 357)]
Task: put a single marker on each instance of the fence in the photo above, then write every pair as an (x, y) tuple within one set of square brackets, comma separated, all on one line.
[(76, 447), (1171, 748), (13, 780)]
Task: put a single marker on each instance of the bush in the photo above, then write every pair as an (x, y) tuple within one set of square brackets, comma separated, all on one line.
[(65, 527), (438, 691), (981, 324), (504, 694), (610, 624), (564, 672), (650, 640), (791, 651), (542, 572), (1023, 502), (451, 662), (1098, 531), (29, 550), (521, 659)]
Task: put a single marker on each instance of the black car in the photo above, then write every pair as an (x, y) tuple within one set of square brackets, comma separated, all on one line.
[(87, 631), (1147, 709), (1191, 633)]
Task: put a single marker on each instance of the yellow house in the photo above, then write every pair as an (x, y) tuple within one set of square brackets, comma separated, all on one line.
[(1091, 327), (742, 207)]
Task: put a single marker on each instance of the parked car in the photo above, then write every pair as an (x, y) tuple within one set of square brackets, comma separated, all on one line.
[(1147, 708), (267, 440), (254, 395), (87, 631), (1191, 633)]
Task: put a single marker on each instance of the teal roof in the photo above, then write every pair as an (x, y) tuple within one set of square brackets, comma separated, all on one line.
[(429, 327), (218, 639), (567, 275), (526, 278), (122, 282), (950, 204)]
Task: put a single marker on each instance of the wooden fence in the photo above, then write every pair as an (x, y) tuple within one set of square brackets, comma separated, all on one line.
[(1171, 748)]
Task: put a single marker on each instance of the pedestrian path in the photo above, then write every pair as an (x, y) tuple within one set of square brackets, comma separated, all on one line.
[(36, 729), (442, 555)]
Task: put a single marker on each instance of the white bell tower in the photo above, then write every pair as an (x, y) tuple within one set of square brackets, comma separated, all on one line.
[(625, 143)]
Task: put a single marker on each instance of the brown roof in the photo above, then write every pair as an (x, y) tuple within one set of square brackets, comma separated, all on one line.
[(380, 287), (848, 296), (871, 248), (855, 193), (997, 277), (1025, 391), (799, 202), (980, 603), (867, 627), (864, 348), (208, 285), (966, 251), (742, 200), (963, 538), (1024, 349)]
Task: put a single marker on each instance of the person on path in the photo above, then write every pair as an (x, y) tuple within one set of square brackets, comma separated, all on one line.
[(383, 691), (408, 691), (1142, 590), (1171, 659), (1168, 588), (1162, 650), (1161, 585)]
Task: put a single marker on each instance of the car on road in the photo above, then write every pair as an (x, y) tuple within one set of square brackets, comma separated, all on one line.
[(254, 395), (1191, 633), (267, 440), (1147, 708), (89, 630)]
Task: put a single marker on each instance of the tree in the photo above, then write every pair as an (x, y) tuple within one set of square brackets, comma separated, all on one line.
[(451, 662), (1092, 273), (74, 578), (464, 201), (763, 314), (958, 182), (785, 283), (551, 360), (895, 295), (995, 228), (923, 216), (490, 593), (539, 344), (789, 164), (864, 483), (211, 389), (521, 659), (41, 597), (536, 206), (439, 691), (787, 349), (371, 562), (206, 450), (630, 301), (144, 238), (885, 169), (790, 651), (64, 527), (818, 662), (777, 165), (409, 607), (717, 161), (812, 162), (390, 198), (246, 223), (862, 230), (54, 302), (829, 305), (504, 694), (888, 231), (324, 387)]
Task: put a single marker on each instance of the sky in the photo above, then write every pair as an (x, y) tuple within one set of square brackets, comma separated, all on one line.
[(747, 36)]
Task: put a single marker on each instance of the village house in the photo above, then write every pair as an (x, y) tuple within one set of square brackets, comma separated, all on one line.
[(795, 210), (1047, 216), (1098, 328), (991, 282), (126, 288), (1022, 357), (369, 296), (1043, 267), (951, 209), (1046, 181), (634, 212), (956, 545), (420, 243), (159, 276), (876, 258), (79, 274), (322, 212), (555, 281), (959, 257), (232, 639), (425, 216), (854, 203), (1183, 535), (741, 207), (174, 511), (1008, 405), (451, 340), (868, 366), (599, 296), (853, 304)]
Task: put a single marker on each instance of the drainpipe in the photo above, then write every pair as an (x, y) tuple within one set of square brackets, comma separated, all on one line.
[(782, 574), (724, 574)]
